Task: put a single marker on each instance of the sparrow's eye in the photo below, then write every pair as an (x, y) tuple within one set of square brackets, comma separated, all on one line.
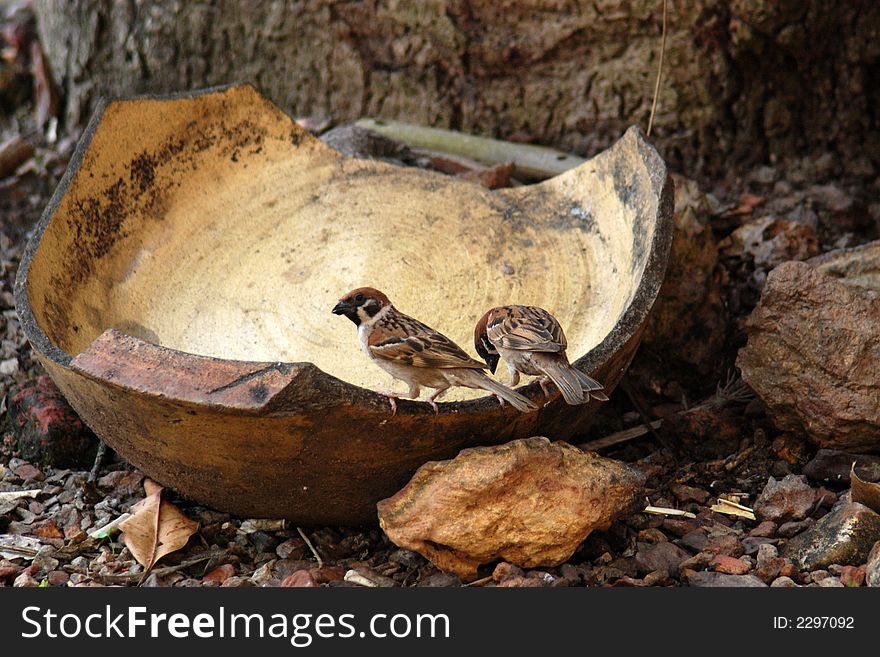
[(359, 298)]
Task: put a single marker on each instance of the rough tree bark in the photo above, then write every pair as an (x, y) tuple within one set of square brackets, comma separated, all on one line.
[(746, 81)]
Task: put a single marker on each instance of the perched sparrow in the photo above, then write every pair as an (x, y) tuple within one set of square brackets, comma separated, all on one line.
[(530, 340), (415, 353)]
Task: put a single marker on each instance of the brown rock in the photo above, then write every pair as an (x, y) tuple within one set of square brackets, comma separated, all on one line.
[(729, 565), (689, 493), (660, 556), (872, 566), (725, 544), (292, 548), (530, 502), (833, 466), (785, 500), (770, 241), (47, 429), (812, 354), (300, 579), (57, 578), (845, 536), (28, 472), (853, 576), (220, 574), (789, 529), (327, 574), (712, 579), (766, 529), (783, 582)]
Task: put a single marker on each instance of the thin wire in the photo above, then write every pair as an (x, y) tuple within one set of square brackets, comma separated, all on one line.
[(659, 72)]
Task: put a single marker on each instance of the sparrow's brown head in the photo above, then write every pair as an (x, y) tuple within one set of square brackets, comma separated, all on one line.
[(485, 349), (361, 304)]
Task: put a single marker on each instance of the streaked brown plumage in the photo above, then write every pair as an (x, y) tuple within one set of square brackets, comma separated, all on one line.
[(531, 341), (415, 353)]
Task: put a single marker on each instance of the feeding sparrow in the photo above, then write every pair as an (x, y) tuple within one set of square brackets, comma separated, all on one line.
[(530, 341), (415, 353)]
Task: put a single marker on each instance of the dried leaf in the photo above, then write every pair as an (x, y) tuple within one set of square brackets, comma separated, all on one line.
[(665, 511), (864, 492), (13, 546), (156, 527), (731, 508), (7, 496)]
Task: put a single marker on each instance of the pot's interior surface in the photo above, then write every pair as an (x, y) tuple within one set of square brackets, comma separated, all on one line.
[(217, 228)]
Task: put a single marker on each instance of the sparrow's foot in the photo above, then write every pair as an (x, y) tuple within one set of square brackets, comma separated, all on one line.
[(545, 381), (433, 397), (500, 399), (392, 399)]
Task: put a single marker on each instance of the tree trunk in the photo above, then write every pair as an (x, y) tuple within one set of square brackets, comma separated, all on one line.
[(745, 81)]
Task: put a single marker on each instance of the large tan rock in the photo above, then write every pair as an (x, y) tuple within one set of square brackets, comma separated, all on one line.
[(813, 354), (530, 502)]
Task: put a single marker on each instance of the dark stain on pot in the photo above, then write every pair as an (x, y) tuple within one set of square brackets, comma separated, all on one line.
[(260, 393)]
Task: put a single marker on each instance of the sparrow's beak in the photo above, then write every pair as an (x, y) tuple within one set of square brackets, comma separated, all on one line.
[(492, 361), (342, 308)]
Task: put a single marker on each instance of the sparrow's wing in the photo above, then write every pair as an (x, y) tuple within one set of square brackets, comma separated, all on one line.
[(526, 328), (407, 341)]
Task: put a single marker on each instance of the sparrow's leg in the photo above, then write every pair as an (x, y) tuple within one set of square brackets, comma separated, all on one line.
[(435, 395), (545, 382), (392, 399), (514, 375)]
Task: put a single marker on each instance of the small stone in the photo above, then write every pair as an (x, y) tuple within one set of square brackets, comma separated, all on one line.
[(852, 576), (832, 466), (845, 536), (872, 566), (712, 579), (220, 574), (29, 472), (766, 529), (326, 574), (9, 366), (154, 581), (766, 552), (440, 580), (729, 565), (9, 571), (407, 558), (237, 581), (689, 493), (695, 540), (831, 582), (505, 571), (300, 579), (751, 544), (57, 578), (660, 556), (652, 535), (292, 548), (789, 529), (46, 428), (783, 583), (785, 500), (678, 527), (657, 578), (725, 544)]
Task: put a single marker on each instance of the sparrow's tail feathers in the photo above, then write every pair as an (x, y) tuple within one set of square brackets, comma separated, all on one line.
[(575, 386), (595, 389), (566, 379), (518, 401)]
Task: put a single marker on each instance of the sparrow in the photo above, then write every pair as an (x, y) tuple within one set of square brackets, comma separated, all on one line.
[(531, 341), (415, 353)]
